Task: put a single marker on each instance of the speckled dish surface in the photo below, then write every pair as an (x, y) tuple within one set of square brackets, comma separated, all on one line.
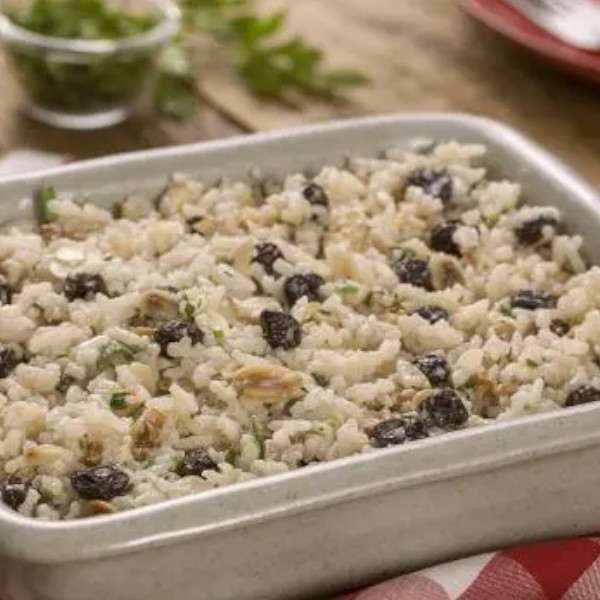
[(338, 525)]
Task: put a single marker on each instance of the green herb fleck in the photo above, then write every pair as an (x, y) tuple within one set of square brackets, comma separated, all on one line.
[(118, 400), (114, 354), (137, 411), (289, 403), (41, 199), (347, 288), (231, 456), (259, 437), (64, 383), (506, 310), (188, 309), (402, 253), (532, 364), (219, 335), (470, 382), (148, 462), (491, 220)]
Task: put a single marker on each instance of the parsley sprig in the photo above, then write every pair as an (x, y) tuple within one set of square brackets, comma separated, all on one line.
[(271, 65)]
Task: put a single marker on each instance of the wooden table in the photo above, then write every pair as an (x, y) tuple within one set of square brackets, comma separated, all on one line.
[(422, 55)]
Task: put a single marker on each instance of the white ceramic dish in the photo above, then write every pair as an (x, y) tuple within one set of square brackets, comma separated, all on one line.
[(339, 525)]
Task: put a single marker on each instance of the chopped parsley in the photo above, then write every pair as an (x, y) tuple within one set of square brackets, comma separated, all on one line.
[(347, 288), (41, 200), (231, 456), (118, 401), (114, 354), (64, 383), (259, 437)]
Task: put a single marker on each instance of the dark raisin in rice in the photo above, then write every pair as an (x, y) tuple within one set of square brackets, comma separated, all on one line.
[(84, 286), (8, 361), (559, 327), (14, 491), (435, 368), (103, 482), (266, 255), (414, 272), (444, 409), (442, 238), (397, 431), (433, 314), (435, 182), (316, 195), (280, 329), (531, 232), (195, 462), (6, 292), (583, 395), (532, 300), (298, 286), (174, 331)]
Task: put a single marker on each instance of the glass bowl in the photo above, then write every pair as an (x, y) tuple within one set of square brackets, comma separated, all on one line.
[(86, 84)]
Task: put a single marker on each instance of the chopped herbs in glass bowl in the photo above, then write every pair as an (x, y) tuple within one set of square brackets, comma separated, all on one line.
[(83, 64)]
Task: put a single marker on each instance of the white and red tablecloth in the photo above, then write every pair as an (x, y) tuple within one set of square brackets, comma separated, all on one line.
[(559, 570)]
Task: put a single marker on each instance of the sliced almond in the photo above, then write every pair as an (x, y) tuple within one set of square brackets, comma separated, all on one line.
[(446, 271), (160, 304), (267, 383), (146, 432)]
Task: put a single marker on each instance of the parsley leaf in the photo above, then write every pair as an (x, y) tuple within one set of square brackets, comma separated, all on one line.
[(41, 198)]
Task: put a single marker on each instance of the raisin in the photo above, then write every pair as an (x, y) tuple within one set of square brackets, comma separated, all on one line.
[(397, 431), (435, 368), (174, 331), (442, 238), (266, 255), (532, 300), (559, 327), (583, 395), (84, 286), (316, 195), (8, 361), (195, 462), (433, 314), (280, 329), (434, 182), (14, 491), (6, 292), (532, 232), (298, 286), (104, 482), (415, 272), (444, 409)]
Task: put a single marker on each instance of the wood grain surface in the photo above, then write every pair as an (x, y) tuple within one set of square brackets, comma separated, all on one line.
[(422, 55)]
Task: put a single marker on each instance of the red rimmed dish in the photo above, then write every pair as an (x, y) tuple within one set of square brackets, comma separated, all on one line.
[(511, 24)]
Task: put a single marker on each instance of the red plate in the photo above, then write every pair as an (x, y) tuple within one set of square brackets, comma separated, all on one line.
[(511, 24)]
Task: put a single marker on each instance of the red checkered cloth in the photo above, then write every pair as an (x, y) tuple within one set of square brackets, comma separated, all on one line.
[(560, 570)]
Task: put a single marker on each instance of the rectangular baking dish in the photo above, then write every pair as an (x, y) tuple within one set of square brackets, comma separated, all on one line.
[(336, 526)]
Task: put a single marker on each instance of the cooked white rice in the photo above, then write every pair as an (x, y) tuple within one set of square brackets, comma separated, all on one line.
[(91, 387)]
